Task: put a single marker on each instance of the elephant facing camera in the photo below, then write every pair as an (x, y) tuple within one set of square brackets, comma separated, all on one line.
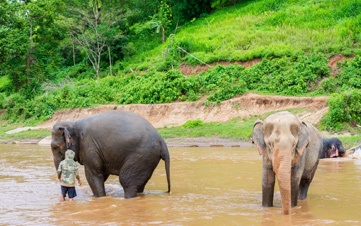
[(290, 149)]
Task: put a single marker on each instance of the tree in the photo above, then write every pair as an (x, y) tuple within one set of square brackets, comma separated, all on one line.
[(30, 40), (162, 20), (13, 42), (93, 28)]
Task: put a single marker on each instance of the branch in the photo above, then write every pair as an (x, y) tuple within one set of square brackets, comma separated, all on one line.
[(193, 56)]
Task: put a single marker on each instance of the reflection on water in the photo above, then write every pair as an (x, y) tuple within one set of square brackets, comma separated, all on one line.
[(210, 186)]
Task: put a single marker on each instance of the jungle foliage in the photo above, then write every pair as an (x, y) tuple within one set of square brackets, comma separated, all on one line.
[(57, 54)]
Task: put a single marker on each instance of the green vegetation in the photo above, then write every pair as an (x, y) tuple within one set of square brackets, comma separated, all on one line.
[(29, 134), (89, 52), (286, 75), (236, 128)]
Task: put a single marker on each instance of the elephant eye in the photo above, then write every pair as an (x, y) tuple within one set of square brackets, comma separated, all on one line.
[(55, 147)]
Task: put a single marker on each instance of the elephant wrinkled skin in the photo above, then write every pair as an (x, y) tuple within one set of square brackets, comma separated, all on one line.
[(290, 149), (112, 143)]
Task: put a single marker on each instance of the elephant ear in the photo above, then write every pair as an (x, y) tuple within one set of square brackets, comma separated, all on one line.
[(67, 136), (303, 138), (258, 136)]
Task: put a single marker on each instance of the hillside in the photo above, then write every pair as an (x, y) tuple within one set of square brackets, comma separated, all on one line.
[(208, 67), (175, 114)]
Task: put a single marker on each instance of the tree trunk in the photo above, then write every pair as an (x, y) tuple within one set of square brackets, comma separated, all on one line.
[(163, 35), (110, 61), (28, 58), (72, 42)]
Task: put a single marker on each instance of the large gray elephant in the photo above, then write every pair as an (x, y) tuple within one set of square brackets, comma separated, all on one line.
[(112, 143), (290, 150)]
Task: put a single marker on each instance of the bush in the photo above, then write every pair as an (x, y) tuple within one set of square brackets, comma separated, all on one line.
[(344, 109), (193, 123), (222, 82), (327, 85), (350, 76), (287, 75)]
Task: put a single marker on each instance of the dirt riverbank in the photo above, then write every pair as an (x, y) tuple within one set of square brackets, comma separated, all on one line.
[(175, 114)]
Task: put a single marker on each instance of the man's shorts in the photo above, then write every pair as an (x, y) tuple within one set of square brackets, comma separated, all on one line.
[(70, 190)]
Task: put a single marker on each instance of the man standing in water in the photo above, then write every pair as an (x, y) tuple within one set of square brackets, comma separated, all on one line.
[(67, 172)]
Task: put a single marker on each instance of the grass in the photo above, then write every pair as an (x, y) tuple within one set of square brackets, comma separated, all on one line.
[(268, 28), (236, 128), (24, 135), (350, 141)]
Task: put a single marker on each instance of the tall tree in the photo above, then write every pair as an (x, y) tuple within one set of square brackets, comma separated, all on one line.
[(31, 36), (13, 41), (162, 20), (94, 27)]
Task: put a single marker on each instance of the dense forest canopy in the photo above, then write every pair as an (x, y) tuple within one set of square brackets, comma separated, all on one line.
[(40, 38), (58, 54)]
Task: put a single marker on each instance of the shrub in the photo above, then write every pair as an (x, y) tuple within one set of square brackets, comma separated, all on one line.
[(327, 85), (350, 76), (193, 123), (344, 108), (287, 75)]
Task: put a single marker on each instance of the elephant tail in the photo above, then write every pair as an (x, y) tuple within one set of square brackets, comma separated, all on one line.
[(166, 159)]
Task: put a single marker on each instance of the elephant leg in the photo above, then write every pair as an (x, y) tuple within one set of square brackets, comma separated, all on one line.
[(96, 182), (132, 185), (305, 183), (268, 184), (133, 180), (294, 193), (129, 191), (295, 183), (141, 188)]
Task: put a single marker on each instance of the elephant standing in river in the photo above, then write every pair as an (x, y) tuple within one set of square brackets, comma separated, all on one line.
[(290, 150), (112, 143)]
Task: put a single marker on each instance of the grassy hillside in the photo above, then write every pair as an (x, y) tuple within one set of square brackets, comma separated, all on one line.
[(269, 28), (293, 39)]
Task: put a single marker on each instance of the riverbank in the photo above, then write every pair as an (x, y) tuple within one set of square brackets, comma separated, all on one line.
[(171, 142), (236, 114)]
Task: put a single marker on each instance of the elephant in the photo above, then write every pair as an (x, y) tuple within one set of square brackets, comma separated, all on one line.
[(290, 149), (332, 148), (114, 142)]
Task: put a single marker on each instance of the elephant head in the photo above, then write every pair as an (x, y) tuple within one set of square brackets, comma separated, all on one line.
[(332, 148), (281, 139), (61, 140)]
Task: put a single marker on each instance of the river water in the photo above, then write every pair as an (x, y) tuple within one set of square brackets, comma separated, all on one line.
[(210, 186)]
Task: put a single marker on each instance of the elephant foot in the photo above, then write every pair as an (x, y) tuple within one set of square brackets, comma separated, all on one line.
[(130, 193), (98, 196), (141, 189), (302, 194)]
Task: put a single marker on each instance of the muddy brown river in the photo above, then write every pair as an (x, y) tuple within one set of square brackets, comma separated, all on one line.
[(210, 186)]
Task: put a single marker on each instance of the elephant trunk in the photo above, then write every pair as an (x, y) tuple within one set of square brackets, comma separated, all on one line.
[(57, 160), (282, 168)]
